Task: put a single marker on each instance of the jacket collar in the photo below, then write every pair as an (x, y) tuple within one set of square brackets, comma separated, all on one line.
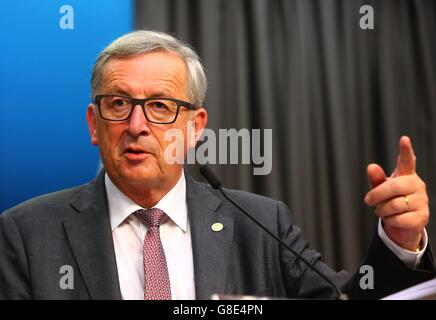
[(90, 237), (211, 249)]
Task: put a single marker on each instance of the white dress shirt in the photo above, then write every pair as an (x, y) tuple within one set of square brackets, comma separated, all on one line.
[(409, 258), (128, 235)]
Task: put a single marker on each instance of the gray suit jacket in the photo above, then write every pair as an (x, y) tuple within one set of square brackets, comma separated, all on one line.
[(72, 228)]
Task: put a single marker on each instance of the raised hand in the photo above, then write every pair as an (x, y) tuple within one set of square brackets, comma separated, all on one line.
[(400, 200)]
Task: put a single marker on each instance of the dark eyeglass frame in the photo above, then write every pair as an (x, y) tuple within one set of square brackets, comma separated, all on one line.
[(141, 102)]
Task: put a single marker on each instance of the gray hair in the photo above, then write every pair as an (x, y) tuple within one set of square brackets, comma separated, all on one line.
[(144, 41)]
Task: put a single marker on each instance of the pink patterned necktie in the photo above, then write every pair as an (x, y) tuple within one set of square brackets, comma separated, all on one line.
[(156, 277)]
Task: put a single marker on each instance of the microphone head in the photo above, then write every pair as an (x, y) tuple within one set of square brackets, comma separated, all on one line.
[(210, 177)]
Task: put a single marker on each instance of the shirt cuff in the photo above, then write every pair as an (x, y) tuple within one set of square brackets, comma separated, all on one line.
[(409, 258)]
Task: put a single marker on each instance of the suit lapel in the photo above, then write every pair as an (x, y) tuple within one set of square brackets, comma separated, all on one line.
[(90, 237), (211, 249)]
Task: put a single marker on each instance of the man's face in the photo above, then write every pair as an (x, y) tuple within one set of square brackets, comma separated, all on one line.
[(132, 151)]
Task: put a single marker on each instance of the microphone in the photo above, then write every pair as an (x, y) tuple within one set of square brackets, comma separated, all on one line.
[(216, 184)]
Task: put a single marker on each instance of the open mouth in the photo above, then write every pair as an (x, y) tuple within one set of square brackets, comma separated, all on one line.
[(135, 153)]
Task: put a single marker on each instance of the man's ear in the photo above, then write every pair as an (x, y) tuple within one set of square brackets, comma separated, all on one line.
[(92, 124), (200, 122)]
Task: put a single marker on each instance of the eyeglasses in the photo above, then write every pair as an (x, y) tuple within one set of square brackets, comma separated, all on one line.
[(156, 110)]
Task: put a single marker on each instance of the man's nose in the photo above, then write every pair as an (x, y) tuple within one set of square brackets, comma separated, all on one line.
[(138, 123)]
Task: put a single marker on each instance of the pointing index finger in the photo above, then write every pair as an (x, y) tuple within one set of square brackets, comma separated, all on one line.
[(406, 161)]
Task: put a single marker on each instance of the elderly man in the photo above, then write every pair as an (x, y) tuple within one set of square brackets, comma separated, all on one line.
[(143, 229)]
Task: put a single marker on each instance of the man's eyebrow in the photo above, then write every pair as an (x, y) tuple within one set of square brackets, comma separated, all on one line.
[(157, 94), (118, 91)]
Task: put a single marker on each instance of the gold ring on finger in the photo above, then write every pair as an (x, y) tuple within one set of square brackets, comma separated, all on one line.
[(406, 200)]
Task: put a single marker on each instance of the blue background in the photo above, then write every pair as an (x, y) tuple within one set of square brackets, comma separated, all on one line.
[(44, 80)]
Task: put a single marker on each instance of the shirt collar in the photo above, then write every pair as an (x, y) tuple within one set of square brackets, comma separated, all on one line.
[(173, 204)]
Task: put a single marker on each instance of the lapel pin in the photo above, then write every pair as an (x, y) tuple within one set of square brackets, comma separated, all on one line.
[(217, 227)]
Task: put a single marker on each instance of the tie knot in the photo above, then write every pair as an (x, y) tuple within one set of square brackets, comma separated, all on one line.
[(153, 217)]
